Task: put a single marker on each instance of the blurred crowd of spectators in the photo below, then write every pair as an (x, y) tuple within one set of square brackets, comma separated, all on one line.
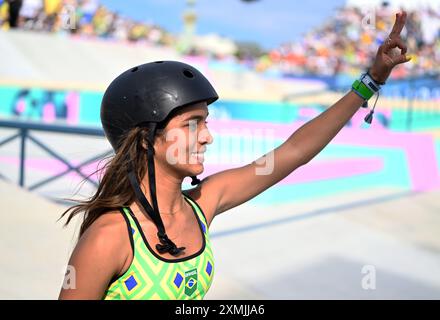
[(344, 44), (82, 17), (347, 43)]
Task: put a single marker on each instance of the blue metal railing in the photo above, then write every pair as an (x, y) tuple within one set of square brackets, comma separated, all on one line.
[(25, 127)]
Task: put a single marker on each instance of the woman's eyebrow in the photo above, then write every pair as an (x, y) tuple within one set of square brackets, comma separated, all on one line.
[(196, 117)]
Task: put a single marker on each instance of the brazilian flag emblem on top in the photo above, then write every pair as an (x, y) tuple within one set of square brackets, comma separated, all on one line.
[(190, 282)]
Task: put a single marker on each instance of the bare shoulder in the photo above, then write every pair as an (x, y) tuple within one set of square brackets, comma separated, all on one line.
[(108, 232), (109, 222), (206, 197), (101, 253)]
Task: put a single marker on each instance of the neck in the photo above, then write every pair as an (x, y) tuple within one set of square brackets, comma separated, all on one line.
[(168, 192)]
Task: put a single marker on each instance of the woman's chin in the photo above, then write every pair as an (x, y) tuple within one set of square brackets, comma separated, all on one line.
[(195, 169), (198, 168), (196, 165)]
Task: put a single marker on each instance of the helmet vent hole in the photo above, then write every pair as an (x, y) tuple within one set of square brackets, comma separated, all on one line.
[(158, 61), (188, 73), (134, 69)]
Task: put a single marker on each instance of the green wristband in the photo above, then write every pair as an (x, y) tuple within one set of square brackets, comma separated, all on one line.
[(362, 89)]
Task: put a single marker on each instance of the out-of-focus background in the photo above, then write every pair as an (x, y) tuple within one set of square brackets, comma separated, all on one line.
[(360, 221)]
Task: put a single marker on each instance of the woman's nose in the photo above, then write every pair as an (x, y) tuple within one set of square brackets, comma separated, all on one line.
[(205, 136)]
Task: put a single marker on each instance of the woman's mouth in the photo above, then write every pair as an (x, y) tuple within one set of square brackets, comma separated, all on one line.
[(199, 156)]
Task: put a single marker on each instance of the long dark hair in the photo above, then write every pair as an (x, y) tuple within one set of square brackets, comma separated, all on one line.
[(114, 189)]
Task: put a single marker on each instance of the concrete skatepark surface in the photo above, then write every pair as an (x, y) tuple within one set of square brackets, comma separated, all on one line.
[(296, 251)]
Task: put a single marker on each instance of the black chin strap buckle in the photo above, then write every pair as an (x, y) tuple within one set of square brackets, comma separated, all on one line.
[(167, 245), (195, 181)]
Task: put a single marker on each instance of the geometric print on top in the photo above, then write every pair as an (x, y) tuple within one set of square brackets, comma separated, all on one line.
[(152, 277)]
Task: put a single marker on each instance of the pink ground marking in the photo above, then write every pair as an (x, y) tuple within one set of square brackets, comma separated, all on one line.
[(317, 170), (72, 103), (21, 105), (49, 112), (314, 171), (419, 148)]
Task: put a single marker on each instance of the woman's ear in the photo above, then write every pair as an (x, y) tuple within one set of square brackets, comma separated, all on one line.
[(160, 136), (157, 139)]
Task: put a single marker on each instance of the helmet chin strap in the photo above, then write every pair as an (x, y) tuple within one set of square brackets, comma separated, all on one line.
[(166, 244), (195, 181)]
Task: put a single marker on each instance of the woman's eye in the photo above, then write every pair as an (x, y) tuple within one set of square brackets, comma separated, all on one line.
[(192, 126)]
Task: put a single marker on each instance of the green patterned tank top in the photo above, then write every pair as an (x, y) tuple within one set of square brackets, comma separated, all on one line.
[(153, 277)]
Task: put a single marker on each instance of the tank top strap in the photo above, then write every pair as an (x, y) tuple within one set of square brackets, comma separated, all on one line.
[(135, 234), (199, 211)]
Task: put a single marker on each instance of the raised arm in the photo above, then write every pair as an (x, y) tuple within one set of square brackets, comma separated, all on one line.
[(236, 186)]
